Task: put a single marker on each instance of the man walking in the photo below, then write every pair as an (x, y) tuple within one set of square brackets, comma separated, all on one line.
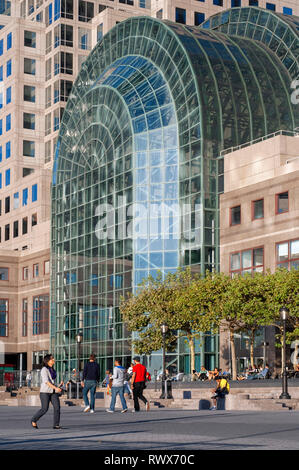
[(138, 384), (91, 375), (118, 377)]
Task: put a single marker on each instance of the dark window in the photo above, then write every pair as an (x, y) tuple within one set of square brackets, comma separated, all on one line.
[(258, 209), (247, 261), (219, 3), (3, 317), (7, 204), (282, 202), (29, 39), (236, 3), (6, 235), (86, 11), (66, 63), (25, 225), (29, 93), (235, 215), (40, 315), (270, 6), (287, 254), (102, 8), (253, 3), (3, 274), (29, 66), (198, 18), (24, 317), (16, 228), (28, 148), (34, 220), (67, 9), (180, 15), (29, 121)]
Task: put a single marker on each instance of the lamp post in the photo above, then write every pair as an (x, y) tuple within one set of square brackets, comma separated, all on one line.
[(79, 338), (164, 329), (284, 312)]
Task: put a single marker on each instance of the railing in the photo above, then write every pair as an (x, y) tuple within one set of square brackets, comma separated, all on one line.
[(294, 133)]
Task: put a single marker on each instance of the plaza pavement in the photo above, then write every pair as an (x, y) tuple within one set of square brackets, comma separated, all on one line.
[(159, 429)]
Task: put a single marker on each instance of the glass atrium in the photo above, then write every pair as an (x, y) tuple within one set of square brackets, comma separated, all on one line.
[(137, 172)]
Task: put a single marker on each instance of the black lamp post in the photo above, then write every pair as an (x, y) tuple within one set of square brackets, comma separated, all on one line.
[(284, 312), (79, 338), (164, 329)]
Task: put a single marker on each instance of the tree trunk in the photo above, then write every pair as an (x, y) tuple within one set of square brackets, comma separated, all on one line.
[(233, 355), (252, 338), (192, 353)]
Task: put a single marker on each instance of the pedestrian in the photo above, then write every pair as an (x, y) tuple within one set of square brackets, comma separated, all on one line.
[(138, 384), (91, 376), (220, 391), (29, 379), (118, 377), (49, 392)]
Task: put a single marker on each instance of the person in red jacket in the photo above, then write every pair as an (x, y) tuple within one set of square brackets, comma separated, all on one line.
[(138, 384)]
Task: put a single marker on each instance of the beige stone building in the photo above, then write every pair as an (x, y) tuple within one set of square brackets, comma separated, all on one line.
[(259, 218)]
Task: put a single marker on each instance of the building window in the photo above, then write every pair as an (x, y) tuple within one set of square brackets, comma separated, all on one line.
[(7, 177), (7, 149), (247, 261), (258, 209), (282, 202), (8, 95), (1, 47), (29, 66), (24, 317), (9, 41), (3, 274), (29, 121), (253, 3), (48, 151), (34, 192), (235, 3), (7, 205), (86, 11), (102, 8), (47, 267), (270, 6), (3, 317), (287, 254), (48, 42), (100, 31), (198, 18), (33, 220), (66, 63), (29, 93), (63, 35), (25, 197), (30, 39), (48, 124), (35, 270), (159, 14), (8, 68), (48, 96), (219, 3), (67, 9), (16, 201), (28, 148), (235, 215), (8, 122), (40, 315), (16, 229), (84, 39), (6, 232), (180, 15), (56, 9), (25, 273), (24, 225), (287, 11)]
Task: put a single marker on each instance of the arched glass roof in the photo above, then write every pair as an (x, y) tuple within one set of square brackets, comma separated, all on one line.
[(278, 32)]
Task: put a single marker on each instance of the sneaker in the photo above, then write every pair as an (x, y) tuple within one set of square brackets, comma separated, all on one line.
[(213, 408), (123, 411), (109, 411), (147, 406), (133, 411), (91, 411), (86, 409)]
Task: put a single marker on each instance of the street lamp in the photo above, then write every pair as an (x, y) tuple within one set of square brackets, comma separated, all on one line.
[(164, 329), (79, 338), (284, 313)]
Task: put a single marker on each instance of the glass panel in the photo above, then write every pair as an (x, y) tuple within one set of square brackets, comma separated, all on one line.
[(295, 249), (258, 209), (246, 259), (235, 261), (282, 251), (258, 256)]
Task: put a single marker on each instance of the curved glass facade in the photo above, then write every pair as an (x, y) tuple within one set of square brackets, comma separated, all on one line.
[(137, 176)]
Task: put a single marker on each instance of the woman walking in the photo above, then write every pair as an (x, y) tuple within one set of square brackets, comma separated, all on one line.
[(48, 392)]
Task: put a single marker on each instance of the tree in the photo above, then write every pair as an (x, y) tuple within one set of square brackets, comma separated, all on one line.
[(179, 301)]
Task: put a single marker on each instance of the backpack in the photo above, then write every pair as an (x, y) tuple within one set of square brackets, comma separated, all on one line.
[(224, 387), (148, 377)]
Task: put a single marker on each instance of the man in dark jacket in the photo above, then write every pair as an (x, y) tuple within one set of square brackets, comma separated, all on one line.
[(91, 375)]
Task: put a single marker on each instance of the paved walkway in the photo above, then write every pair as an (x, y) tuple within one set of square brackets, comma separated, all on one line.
[(157, 429)]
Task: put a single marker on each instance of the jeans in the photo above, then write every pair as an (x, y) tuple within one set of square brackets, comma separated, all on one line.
[(89, 385), (117, 391), (138, 394), (45, 399), (127, 388)]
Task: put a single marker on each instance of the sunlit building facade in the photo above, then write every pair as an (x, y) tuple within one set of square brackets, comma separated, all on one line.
[(138, 168)]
